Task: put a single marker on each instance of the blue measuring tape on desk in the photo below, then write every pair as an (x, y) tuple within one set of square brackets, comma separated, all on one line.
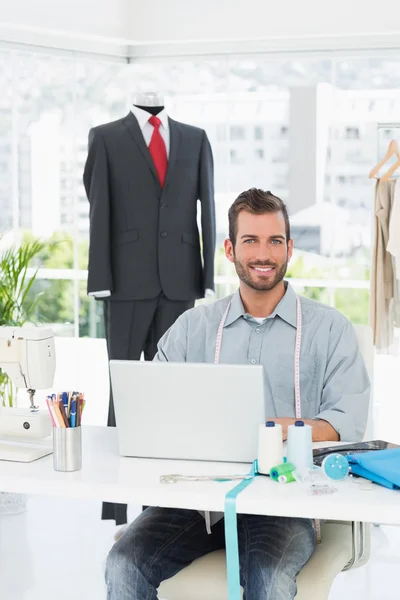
[(231, 535)]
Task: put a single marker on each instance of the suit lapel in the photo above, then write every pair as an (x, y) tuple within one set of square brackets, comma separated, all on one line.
[(137, 136), (174, 140)]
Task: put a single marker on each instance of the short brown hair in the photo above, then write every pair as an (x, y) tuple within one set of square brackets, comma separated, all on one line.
[(256, 202)]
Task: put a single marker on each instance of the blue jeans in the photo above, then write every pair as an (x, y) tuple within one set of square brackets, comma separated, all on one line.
[(162, 541)]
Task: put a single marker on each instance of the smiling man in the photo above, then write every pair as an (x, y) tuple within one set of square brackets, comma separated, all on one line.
[(257, 325)]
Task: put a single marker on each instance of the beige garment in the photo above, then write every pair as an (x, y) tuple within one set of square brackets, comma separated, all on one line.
[(382, 317), (396, 301), (393, 246)]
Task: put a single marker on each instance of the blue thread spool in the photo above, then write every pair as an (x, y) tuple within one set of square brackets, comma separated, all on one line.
[(299, 445), (336, 467)]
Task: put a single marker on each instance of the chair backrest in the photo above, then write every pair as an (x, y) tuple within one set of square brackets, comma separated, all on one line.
[(366, 345)]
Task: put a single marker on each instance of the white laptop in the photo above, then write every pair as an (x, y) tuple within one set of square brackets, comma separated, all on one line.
[(188, 411)]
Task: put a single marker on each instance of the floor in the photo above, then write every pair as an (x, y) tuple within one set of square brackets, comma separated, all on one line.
[(57, 549)]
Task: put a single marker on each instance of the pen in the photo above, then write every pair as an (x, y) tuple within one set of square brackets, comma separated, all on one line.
[(51, 411), (58, 414), (78, 413), (64, 397), (81, 406), (72, 418), (63, 413)]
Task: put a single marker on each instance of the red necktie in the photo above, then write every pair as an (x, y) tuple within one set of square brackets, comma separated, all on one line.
[(158, 150)]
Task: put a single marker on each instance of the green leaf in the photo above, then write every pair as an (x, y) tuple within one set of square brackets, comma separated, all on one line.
[(15, 285)]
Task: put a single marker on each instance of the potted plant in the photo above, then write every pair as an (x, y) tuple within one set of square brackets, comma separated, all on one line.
[(16, 309)]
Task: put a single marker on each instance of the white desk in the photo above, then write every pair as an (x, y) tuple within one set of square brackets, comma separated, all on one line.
[(106, 476)]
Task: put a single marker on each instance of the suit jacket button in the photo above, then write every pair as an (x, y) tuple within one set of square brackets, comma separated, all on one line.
[(164, 205), (163, 234)]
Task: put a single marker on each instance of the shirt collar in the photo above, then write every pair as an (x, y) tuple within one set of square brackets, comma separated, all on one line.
[(236, 309), (286, 309), (143, 116)]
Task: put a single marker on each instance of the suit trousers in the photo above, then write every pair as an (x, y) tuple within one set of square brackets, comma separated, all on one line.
[(132, 328)]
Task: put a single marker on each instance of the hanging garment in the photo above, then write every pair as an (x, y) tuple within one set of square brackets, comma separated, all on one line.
[(393, 247), (382, 307)]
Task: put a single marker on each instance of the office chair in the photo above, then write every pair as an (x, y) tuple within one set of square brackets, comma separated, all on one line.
[(344, 545)]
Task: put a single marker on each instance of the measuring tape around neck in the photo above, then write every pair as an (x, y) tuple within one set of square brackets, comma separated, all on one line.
[(297, 398)]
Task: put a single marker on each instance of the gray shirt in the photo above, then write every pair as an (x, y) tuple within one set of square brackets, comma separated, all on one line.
[(334, 382)]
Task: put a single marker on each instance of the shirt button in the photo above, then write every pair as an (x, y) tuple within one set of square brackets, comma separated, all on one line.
[(253, 361), (164, 234), (258, 330)]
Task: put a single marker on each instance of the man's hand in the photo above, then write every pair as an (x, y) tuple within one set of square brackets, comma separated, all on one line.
[(322, 431)]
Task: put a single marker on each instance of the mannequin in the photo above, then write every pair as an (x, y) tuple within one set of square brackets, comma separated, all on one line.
[(146, 262), (152, 102)]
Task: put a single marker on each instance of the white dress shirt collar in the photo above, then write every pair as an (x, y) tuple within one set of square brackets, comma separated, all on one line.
[(143, 116)]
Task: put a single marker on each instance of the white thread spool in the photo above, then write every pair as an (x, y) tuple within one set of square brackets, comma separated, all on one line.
[(270, 447), (299, 447)]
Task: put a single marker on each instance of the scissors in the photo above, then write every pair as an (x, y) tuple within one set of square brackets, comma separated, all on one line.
[(174, 478)]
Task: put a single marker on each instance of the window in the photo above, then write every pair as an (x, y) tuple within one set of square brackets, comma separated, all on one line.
[(237, 133), (221, 131), (352, 133), (258, 133), (254, 131), (279, 159), (236, 157)]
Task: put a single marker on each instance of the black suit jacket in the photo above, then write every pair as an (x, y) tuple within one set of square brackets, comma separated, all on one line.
[(144, 239)]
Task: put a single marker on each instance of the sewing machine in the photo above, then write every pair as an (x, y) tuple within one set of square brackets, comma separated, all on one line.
[(27, 356)]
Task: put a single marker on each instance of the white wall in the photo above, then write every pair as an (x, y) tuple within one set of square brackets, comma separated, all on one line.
[(99, 26), (104, 18), (66, 23), (183, 20)]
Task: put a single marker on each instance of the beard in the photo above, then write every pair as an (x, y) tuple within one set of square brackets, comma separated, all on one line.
[(257, 281)]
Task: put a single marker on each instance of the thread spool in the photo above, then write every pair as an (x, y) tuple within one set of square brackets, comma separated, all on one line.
[(299, 446), (283, 473), (270, 447)]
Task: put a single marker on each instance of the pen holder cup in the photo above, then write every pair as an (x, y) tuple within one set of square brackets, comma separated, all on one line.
[(67, 448)]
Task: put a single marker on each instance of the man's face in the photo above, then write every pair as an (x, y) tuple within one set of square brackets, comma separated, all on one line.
[(262, 252)]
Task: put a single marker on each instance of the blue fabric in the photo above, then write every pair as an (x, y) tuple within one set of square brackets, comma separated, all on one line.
[(380, 466), (231, 536)]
